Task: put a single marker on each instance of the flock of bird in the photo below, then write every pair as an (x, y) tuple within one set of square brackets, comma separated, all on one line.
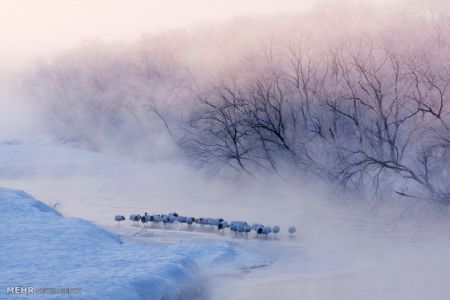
[(237, 227)]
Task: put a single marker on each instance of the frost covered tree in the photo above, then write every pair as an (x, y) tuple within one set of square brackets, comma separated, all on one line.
[(361, 101)]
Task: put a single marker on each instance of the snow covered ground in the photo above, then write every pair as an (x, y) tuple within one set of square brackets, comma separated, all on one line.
[(342, 250), (42, 249)]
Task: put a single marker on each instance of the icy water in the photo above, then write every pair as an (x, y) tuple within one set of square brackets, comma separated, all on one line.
[(342, 250)]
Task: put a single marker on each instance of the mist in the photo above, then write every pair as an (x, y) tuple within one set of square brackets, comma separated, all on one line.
[(347, 249), (328, 115), (310, 93)]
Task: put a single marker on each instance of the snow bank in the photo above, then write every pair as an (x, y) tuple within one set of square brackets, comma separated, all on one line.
[(40, 248)]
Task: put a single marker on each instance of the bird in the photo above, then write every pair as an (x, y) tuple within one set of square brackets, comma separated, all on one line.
[(292, 229), (247, 228), (241, 227), (256, 226), (181, 219), (135, 217), (205, 221), (237, 222), (165, 218), (215, 222), (276, 229), (119, 218), (171, 218), (145, 218), (156, 218), (222, 225), (236, 226), (264, 230)]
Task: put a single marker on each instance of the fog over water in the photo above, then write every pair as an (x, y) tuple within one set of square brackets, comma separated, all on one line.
[(343, 249), (111, 107)]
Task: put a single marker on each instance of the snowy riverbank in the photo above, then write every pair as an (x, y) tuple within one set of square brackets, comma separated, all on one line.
[(343, 249), (42, 249)]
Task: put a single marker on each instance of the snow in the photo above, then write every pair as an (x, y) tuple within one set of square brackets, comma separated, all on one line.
[(342, 249), (41, 248)]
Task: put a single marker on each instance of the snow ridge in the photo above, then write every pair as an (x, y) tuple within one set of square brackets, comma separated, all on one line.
[(41, 248)]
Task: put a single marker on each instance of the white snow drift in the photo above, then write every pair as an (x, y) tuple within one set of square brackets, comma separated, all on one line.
[(40, 248)]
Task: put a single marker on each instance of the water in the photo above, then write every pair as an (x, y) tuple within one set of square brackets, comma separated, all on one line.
[(342, 249)]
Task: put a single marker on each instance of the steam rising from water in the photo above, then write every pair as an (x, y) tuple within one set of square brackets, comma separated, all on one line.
[(345, 248)]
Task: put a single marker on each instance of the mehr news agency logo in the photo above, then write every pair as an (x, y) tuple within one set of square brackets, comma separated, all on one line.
[(29, 290)]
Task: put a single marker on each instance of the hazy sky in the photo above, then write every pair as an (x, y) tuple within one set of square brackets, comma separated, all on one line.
[(38, 27)]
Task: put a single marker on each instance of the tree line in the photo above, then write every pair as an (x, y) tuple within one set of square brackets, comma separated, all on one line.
[(364, 109)]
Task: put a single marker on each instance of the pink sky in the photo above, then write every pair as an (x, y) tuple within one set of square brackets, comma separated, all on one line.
[(29, 28)]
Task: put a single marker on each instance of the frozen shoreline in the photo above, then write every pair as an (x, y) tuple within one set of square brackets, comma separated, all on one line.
[(342, 251), (43, 249)]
